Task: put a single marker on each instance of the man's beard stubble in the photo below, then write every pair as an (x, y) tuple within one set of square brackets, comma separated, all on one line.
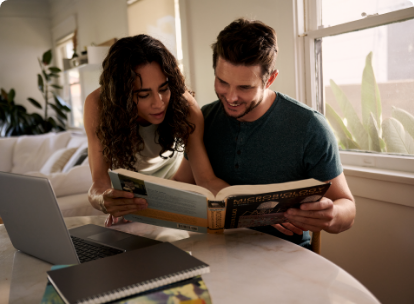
[(248, 110)]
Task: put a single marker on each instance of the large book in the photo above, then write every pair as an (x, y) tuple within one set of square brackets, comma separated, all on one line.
[(124, 275), (190, 207)]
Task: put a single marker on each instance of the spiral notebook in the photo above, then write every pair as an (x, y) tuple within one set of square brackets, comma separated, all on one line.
[(130, 273)]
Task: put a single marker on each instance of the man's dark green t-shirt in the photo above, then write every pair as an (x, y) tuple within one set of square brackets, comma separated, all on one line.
[(289, 142)]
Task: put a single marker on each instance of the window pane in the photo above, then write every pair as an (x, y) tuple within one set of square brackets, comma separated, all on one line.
[(341, 11), (77, 105), (368, 81)]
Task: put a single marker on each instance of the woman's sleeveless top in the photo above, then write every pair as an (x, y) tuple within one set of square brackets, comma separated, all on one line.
[(149, 161)]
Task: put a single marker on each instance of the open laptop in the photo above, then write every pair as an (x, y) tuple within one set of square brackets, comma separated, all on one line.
[(35, 225)]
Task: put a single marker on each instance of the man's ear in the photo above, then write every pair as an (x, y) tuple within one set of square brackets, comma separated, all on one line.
[(272, 78)]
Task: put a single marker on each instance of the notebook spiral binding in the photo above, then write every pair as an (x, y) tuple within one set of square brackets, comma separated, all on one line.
[(144, 286)]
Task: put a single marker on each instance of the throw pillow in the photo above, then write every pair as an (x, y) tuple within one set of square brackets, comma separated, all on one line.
[(57, 160), (32, 151), (80, 152)]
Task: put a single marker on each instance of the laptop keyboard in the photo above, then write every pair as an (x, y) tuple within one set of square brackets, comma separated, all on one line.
[(89, 252)]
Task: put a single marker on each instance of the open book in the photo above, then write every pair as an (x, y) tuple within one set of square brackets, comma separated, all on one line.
[(184, 206)]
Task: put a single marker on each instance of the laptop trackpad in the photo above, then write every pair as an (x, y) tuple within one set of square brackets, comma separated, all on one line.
[(108, 237)]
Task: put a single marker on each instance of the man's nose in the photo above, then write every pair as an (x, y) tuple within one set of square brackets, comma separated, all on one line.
[(231, 95)]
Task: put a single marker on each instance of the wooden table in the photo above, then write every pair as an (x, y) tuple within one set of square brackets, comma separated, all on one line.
[(246, 267)]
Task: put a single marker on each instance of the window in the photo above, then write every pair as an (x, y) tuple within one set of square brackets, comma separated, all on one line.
[(359, 66)]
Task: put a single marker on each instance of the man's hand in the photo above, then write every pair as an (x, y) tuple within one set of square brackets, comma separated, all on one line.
[(288, 228), (118, 203), (314, 216)]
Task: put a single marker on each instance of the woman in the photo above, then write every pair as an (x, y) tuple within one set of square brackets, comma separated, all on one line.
[(141, 118)]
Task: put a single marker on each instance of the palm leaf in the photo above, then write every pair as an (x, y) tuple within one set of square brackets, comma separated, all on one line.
[(405, 118), (354, 124), (343, 135), (397, 140), (370, 96), (374, 140)]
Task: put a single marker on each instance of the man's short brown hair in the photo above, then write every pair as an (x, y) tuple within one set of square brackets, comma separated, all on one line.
[(247, 42)]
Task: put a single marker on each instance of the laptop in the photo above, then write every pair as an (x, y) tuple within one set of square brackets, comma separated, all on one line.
[(35, 225)]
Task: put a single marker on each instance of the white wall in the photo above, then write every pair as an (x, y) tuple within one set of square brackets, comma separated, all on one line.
[(379, 249), (97, 20), (24, 36), (205, 19)]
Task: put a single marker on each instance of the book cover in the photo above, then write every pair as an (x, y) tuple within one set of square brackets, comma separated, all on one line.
[(124, 275), (191, 291), (268, 208)]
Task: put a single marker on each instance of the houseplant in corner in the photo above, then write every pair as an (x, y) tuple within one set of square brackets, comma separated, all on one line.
[(52, 100), (14, 119)]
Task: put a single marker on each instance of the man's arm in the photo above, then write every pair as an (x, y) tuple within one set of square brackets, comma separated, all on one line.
[(334, 213)]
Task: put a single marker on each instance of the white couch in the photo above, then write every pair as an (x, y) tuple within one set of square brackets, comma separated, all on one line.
[(60, 157)]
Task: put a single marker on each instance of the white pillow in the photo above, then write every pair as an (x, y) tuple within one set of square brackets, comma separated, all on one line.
[(72, 161), (32, 151), (76, 180), (57, 160), (6, 150)]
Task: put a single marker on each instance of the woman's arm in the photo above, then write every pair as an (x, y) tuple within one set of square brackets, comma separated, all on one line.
[(116, 202), (202, 171)]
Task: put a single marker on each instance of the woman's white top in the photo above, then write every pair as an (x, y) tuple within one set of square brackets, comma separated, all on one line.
[(149, 161)]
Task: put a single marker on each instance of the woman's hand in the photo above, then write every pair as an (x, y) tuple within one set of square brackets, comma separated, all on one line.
[(119, 203)]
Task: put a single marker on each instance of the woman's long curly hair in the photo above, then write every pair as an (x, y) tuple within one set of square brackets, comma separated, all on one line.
[(118, 128)]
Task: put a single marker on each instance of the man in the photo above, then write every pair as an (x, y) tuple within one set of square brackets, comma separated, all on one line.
[(254, 135)]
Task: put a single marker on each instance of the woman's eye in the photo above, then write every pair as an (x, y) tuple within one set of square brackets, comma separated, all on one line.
[(165, 90), (142, 96)]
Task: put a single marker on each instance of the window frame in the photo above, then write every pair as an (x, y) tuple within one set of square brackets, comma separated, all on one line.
[(308, 29)]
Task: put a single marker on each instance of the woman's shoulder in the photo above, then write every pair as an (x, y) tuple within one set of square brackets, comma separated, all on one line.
[(93, 98), (194, 108)]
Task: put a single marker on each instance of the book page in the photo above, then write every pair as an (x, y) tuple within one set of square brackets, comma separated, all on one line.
[(167, 182), (167, 207), (257, 189)]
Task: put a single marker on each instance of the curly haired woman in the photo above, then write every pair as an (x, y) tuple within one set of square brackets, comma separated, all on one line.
[(142, 118)]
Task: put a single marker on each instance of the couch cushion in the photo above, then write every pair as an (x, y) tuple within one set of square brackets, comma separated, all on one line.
[(32, 151), (76, 157), (57, 160), (76, 180), (7, 148)]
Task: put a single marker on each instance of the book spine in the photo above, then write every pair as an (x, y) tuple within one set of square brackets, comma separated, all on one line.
[(216, 214), (144, 286)]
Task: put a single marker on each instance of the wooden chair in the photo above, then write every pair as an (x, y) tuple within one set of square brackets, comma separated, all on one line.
[(316, 242)]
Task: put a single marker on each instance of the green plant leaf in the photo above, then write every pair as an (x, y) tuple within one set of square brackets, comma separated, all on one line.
[(4, 94), (397, 140), (344, 136), (35, 103), (56, 86), (52, 122), (405, 118), (47, 57), (354, 124), (47, 77), (370, 95), (61, 103), (54, 75), (54, 69), (58, 111), (40, 82), (11, 95), (374, 142)]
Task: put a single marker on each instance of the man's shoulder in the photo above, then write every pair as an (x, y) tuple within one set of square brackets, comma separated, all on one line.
[(289, 105)]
